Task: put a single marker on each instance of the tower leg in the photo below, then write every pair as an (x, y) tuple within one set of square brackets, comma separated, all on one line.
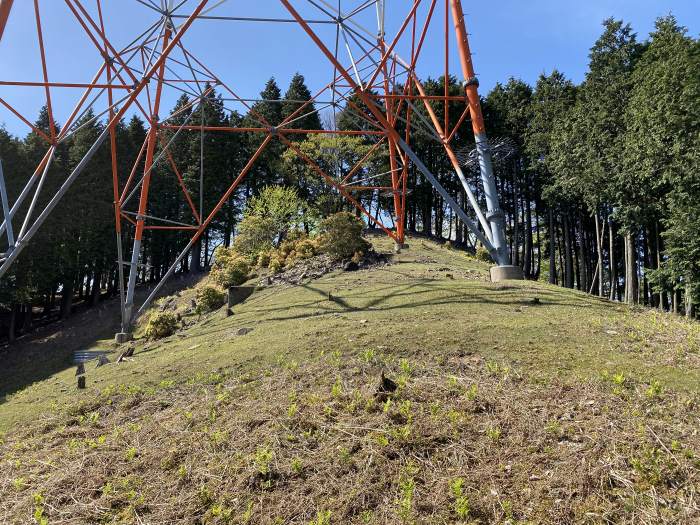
[(143, 200), (494, 214)]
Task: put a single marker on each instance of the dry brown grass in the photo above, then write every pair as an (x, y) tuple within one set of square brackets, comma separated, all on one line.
[(270, 416), (288, 444)]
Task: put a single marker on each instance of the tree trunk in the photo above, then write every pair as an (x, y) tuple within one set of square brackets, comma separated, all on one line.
[(527, 230), (648, 289), (552, 250), (578, 258), (197, 256), (95, 295), (459, 239), (12, 328), (599, 249), (538, 270), (67, 299), (689, 305), (568, 261), (631, 281), (613, 262), (516, 227), (561, 274), (27, 318), (675, 301), (582, 263), (663, 299)]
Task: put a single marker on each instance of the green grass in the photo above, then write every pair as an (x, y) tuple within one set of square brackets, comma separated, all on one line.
[(572, 410), (407, 308)]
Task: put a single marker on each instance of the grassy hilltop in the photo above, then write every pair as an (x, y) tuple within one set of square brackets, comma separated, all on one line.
[(569, 409)]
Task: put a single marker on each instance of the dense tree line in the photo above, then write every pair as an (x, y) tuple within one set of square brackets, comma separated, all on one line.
[(607, 176), (602, 192)]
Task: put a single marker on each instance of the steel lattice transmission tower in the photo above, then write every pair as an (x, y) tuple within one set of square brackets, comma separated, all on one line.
[(373, 74)]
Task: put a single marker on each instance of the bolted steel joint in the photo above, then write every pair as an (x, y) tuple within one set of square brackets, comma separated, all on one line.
[(495, 215), (473, 81)]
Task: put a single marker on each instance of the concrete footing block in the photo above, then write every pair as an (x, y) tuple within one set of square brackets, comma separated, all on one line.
[(122, 337), (400, 246), (506, 273), (237, 295)]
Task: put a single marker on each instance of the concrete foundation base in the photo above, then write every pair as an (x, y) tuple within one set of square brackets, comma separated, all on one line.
[(506, 273), (236, 295), (122, 337), (400, 246)]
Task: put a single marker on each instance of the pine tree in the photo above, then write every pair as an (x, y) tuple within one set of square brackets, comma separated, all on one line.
[(661, 149), (264, 113), (552, 101), (295, 97), (604, 99)]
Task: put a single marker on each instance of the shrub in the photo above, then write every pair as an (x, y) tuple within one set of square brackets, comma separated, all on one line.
[(264, 259), (162, 324), (341, 235), (306, 248), (209, 299), (282, 206), (296, 248), (482, 253), (276, 263), (301, 248), (230, 267), (286, 247), (256, 234)]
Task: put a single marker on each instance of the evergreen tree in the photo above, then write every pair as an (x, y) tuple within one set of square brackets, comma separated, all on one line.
[(552, 100), (604, 98), (661, 150), (264, 113), (294, 99)]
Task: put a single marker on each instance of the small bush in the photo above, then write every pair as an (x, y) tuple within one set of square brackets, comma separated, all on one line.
[(302, 248), (209, 299), (482, 253), (230, 267), (286, 247), (276, 263), (282, 206), (306, 248), (162, 324), (341, 235), (264, 259), (255, 235), (296, 248)]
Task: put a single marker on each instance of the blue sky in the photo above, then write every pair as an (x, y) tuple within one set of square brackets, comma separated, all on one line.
[(519, 38)]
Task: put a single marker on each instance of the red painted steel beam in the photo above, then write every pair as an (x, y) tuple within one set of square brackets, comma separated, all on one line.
[(5, 8), (180, 180), (49, 108), (151, 148), (465, 59), (62, 85), (398, 36), (285, 131), (31, 126)]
